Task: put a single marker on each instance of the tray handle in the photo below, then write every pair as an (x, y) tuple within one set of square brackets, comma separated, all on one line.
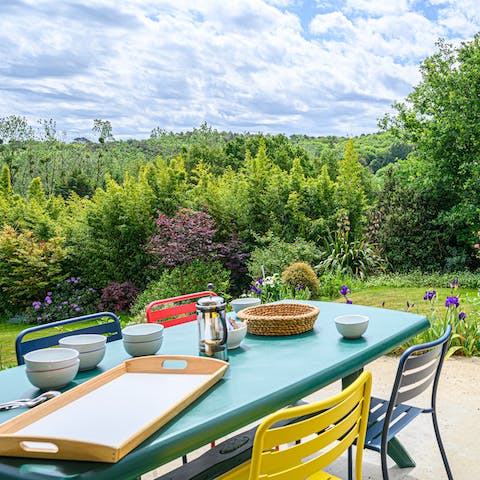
[(56, 448), (187, 364)]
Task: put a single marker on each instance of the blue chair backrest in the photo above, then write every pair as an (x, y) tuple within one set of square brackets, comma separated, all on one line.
[(419, 367), (111, 328)]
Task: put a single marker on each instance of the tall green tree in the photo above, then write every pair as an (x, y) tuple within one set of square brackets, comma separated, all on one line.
[(350, 191), (441, 116)]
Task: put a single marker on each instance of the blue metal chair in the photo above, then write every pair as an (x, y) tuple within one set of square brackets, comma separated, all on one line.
[(111, 328), (418, 369)]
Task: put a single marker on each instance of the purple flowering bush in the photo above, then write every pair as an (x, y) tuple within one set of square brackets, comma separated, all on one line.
[(70, 298)]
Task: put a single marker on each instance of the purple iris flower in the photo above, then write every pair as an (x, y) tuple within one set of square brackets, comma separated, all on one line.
[(260, 281), (429, 295), (452, 300), (349, 302), (256, 290), (36, 305), (48, 300), (454, 284), (300, 287), (344, 290), (462, 316)]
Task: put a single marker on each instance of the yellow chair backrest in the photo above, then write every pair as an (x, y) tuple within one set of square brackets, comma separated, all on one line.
[(331, 426)]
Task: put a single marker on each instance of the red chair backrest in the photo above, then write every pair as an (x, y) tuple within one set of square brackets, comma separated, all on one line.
[(180, 311)]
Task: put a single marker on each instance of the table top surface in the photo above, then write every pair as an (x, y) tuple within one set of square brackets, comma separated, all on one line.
[(265, 374)]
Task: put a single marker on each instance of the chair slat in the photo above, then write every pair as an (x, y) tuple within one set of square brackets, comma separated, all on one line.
[(174, 307), (375, 429), (417, 361), (405, 395), (310, 467), (289, 433), (174, 311), (309, 446), (418, 375), (409, 414)]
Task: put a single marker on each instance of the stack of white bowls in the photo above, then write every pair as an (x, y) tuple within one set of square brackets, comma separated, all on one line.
[(51, 367), (90, 346), (143, 339)]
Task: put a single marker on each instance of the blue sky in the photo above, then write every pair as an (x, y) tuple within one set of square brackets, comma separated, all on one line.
[(324, 67)]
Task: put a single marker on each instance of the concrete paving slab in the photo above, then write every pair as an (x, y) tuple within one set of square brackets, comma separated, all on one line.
[(458, 405)]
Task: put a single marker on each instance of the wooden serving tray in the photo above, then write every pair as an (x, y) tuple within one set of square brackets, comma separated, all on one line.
[(106, 417)]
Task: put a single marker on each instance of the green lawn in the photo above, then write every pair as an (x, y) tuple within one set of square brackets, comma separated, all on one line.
[(397, 298), (386, 297)]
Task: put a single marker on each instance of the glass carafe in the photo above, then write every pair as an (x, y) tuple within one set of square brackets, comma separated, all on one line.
[(212, 327)]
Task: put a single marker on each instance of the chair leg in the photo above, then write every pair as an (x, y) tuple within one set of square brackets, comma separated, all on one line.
[(440, 446), (383, 457), (350, 467)]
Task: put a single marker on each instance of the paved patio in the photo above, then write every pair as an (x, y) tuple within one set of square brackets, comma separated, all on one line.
[(458, 406)]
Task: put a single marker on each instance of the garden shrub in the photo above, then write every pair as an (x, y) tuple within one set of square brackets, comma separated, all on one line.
[(182, 280), (109, 236), (301, 274), (274, 255), (186, 237), (70, 298), (118, 297), (28, 267)]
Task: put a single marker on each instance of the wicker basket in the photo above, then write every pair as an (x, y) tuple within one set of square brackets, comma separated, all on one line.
[(279, 318)]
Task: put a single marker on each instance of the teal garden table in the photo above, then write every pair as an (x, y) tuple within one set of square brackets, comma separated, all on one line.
[(265, 374)]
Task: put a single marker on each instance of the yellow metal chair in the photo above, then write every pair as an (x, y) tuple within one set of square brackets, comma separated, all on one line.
[(300, 450)]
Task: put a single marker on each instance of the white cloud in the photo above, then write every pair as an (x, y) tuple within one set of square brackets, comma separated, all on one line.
[(242, 65), (334, 22), (377, 7)]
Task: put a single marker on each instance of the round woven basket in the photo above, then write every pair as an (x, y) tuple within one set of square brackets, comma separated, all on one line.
[(279, 318)]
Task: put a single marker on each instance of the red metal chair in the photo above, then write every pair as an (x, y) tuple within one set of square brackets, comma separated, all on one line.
[(176, 310)]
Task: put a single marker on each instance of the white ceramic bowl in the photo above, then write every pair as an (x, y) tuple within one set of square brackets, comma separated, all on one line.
[(51, 367), (49, 358), (351, 326), (91, 348), (139, 349), (235, 337), (142, 332), (241, 303)]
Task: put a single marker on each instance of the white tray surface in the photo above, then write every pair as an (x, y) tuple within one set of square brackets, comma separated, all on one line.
[(117, 410)]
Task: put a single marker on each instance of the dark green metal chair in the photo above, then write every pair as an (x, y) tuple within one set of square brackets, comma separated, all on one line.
[(418, 369)]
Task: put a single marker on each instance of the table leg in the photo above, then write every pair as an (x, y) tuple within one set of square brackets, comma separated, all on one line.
[(395, 450), (346, 381)]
